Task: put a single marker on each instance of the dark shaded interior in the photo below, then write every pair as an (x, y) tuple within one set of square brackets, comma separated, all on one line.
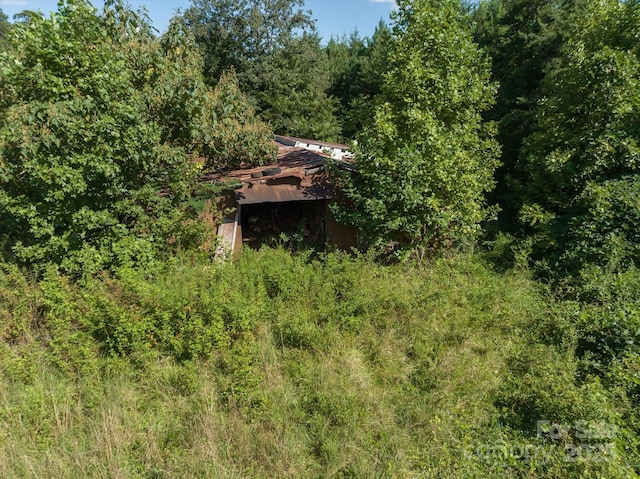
[(291, 223)]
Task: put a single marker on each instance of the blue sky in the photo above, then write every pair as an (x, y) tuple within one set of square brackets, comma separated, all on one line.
[(334, 17)]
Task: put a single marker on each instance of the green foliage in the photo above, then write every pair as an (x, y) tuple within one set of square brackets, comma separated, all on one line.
[(605, 230), (81, 162), (273, 48), (99, 125), (239, 33), (219, 123), (428, 159), (583, 155), (357, 69), (233, 137), (292, 90), (284, 365), (523, 38), (580, 171), (68, 339), (307, 365), (552, 375), (569, 74), (5, 26)]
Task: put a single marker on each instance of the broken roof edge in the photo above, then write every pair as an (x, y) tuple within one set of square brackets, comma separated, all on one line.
[(294, 141), (285, 191), (293, 161)]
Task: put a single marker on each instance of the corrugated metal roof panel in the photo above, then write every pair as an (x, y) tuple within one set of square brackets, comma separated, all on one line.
[(301, 178), (283, 189), (291, 160)]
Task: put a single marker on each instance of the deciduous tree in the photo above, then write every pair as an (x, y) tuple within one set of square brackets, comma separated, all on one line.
[(239, 33), (427, 161), (4, 29), (583, 156), (273, 48), (100, 122)]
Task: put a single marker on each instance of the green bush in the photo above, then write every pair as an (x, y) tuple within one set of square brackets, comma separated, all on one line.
[(100, 122), (605, 230), (81, 161)]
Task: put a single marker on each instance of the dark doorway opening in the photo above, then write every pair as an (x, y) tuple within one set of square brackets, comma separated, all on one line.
[(293, 224)]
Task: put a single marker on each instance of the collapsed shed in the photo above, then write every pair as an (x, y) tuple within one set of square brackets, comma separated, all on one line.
[(290, 197)]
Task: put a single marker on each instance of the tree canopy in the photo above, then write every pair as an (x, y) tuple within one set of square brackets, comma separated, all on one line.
[(428, 159), (583, 156), (238, 33), (357, 69), (4, 29), (272, 46), (292, 91), (522, 37), (99, 123)]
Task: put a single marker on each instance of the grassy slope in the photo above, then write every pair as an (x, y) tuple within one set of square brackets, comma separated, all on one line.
[(280, 366)]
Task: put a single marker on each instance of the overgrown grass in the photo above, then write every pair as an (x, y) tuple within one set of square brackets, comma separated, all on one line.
[(282, 365)]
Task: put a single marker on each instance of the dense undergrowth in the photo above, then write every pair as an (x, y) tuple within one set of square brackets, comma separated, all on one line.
[(283, 365)]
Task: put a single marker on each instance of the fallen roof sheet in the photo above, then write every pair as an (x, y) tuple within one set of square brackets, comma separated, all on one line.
[(292, 161), (292, 141)]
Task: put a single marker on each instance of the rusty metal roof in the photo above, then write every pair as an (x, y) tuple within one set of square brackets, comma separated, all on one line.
[(279, 190), (301, 178), (292, 161)]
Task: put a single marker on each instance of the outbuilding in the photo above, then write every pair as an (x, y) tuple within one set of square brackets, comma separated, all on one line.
[(289, 198)]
